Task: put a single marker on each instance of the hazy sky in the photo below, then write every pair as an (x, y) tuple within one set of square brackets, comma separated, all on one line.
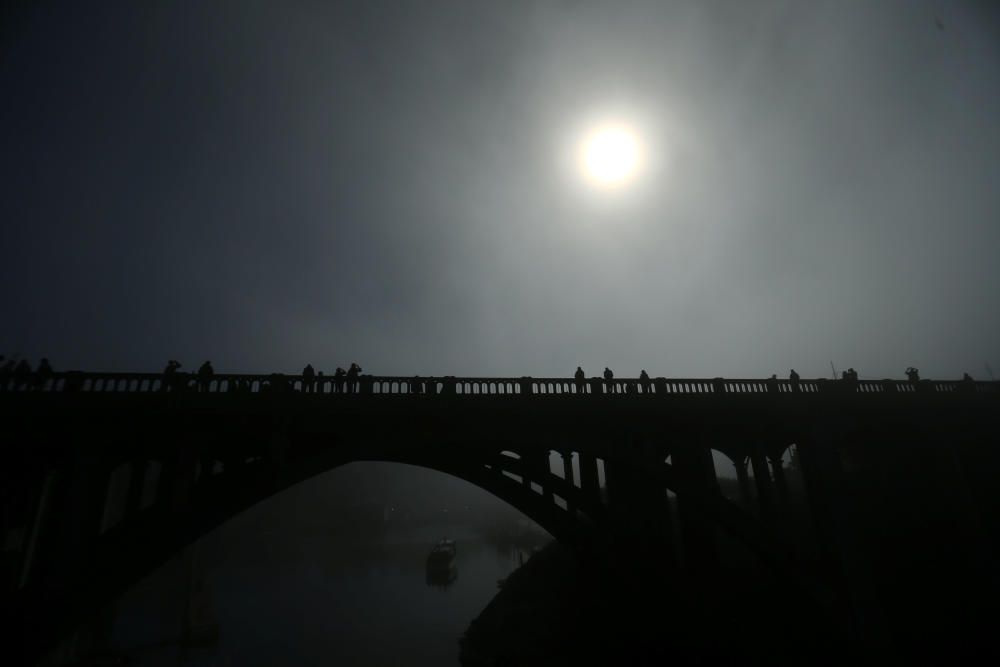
[(270, 184)]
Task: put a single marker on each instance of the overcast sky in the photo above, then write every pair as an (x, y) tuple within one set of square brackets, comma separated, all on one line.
[(266, 184)]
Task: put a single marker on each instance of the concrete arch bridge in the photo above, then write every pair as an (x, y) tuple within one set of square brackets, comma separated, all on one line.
[(107, 475)]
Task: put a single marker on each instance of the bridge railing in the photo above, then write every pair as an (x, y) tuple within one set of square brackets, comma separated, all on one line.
[(137, 383)]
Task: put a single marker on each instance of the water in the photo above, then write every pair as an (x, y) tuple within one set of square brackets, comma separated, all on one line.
[(345, 599)]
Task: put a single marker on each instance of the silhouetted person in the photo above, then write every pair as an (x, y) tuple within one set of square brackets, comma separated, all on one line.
[(609, 380), (21, 374), (43, 374), (912, 374), (205, 374), (338, 380), (170, 376), (772, 383), (644, 381), (352, 377), (967, 378), (416, 386), (794, 379), (579, 377), (308, 379), (319, 381)]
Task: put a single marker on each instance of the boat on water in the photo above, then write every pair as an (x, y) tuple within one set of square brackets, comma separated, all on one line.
[(442, 556), (441, 568)]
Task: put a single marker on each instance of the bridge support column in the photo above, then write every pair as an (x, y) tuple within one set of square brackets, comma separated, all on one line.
[(746, 497), (780, 483), (37, 528), (840, 552), (695, 473), (136, 484), (762, 479), (567, 458), (630, 523), (277, 446), (589, 484), (177, 480), (537, 467), (85, 504), (545, 463)]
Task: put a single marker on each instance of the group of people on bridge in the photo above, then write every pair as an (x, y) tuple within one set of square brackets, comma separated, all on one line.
[(580, 379), (18, 375), (342, 381)]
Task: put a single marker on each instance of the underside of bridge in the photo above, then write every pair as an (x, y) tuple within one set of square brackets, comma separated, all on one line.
[(101, 487)]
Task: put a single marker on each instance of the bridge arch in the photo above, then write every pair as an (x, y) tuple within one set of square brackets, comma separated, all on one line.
[(134, 545)]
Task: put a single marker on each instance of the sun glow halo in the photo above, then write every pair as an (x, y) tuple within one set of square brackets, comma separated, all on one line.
[(610, 156)]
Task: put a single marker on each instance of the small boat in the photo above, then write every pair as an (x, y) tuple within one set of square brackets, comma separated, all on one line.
[(441, 570), (442, 556)]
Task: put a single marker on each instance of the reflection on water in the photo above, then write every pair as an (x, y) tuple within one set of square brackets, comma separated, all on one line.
[(442, 579), (323, 599)]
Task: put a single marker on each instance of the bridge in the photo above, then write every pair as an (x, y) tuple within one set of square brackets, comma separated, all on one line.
[(107, 475)]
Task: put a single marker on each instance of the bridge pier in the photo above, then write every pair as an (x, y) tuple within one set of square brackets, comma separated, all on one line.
[(567, 458), (780, 483), (695, 473), (136, 485), (177, 479), (746, 497), (37, 527), (638, 518), (86, 487), (590, 485), (840, 553), (762, 480)]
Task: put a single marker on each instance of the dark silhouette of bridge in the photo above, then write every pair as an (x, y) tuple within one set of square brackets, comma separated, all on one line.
[(106, 475)]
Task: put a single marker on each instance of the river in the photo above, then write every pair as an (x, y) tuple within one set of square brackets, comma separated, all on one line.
[(357, 598)]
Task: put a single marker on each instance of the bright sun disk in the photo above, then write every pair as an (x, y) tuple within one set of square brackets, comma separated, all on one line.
[(610, 156)]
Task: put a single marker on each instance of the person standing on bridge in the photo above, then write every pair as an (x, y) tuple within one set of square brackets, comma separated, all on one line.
[(794, 379), (205, 374), (579, 377), (308, 379), (352, 377), (338, 380), (644, 381), (170, 375), (852, 379), (912, 374), (609, 381)]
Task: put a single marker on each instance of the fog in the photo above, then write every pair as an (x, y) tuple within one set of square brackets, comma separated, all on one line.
[(268, 185)]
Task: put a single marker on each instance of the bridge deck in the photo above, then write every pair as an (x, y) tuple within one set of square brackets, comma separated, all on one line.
[(72, 381)]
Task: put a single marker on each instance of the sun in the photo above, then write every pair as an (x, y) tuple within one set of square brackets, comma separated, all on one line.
[(610, 155)]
